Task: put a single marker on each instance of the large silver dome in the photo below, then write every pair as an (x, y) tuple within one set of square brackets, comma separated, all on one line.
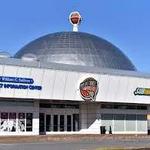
[(76, 48)]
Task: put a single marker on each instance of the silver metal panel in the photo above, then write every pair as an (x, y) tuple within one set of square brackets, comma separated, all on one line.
[(76, 48)]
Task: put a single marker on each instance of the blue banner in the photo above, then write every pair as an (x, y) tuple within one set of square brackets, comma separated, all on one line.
[(16, 80)]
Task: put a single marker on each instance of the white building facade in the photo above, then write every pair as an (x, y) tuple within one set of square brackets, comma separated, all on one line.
[(39, 99)]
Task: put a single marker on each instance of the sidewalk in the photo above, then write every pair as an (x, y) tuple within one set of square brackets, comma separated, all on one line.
[(65, 137)]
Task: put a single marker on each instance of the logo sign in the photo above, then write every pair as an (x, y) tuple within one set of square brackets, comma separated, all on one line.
[(142, 91), (89, 89), (75, 18), (18, 83)]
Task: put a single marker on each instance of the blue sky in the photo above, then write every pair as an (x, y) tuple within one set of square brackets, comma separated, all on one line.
[(125, 23)]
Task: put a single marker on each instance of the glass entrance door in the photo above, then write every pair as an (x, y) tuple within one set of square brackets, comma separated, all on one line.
[(55, 123), (62, 123), (68, 122), (42, 123), (58, 122), (48, 123), (75, 122)]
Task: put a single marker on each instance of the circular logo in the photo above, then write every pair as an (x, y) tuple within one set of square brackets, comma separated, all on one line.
[(89, 89)]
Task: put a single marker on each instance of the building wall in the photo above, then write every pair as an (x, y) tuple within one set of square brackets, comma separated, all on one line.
[(64, 85)]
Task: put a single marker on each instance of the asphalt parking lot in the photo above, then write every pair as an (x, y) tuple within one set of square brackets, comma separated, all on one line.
[(81, 144)]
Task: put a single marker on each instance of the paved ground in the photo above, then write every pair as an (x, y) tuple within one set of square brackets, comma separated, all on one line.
[(83, 145), (76, 143), (97, 143)]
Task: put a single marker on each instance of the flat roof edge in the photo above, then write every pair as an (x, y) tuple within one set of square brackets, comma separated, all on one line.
[(73, 68)]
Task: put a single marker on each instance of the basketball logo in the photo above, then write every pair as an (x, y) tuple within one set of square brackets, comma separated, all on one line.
[(89, 89)]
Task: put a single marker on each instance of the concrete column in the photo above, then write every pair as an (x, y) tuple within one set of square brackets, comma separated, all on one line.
[(71, 122), (52, 125), (83, 116), (36, 118), (58, 123), (65, 122)]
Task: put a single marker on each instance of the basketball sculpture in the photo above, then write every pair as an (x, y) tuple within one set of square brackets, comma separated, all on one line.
[(75, 19)]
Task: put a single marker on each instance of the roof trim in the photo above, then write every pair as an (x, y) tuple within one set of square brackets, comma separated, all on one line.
[(73, 68)]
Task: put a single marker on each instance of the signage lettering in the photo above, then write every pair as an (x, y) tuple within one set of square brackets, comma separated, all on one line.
[(142, 91), (16, 80), (18, 83)]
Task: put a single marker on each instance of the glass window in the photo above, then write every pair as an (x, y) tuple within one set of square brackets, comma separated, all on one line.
[(16, 103), (107, 117), (21, 122), (120, 106), (4, 121), (48, 122), (75, 122), (46, 105), (142, 107), (55, 123), (12, 122), (131, 107), (119, 122), (130, 122), (42, 122), (43, 105), (107, 122), (141, 123), (29, 118), (123, 106), (107, 106), (72, 106)]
